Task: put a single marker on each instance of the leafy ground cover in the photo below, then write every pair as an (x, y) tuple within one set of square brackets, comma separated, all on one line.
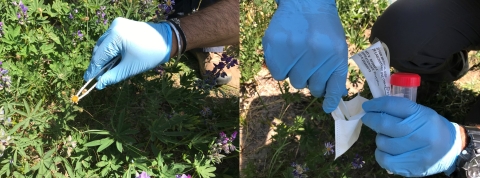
[(166, 122)]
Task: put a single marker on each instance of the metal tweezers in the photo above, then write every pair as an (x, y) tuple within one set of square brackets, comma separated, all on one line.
[(107, 66)]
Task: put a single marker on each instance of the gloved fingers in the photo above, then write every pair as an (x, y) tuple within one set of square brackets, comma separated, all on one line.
[(100, 40), (397, 146), (113, 76), (303, 69), (335, 89), (317, 83), (125, 69), (319, 55), (277, 60), (403, 164), (106, 52), (395, 106), (386, 124), (283, 50)]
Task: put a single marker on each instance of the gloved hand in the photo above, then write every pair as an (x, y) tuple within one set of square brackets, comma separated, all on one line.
[(305, 41), (412, 140), (142, 46)]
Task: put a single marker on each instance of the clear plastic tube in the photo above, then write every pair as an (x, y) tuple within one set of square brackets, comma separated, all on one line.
[(406, 92), (405, 85)]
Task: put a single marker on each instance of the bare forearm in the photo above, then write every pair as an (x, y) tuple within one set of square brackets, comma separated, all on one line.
[(215, 25)]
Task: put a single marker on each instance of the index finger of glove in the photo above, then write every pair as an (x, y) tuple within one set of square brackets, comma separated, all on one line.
[(395, 106), (283, 50)]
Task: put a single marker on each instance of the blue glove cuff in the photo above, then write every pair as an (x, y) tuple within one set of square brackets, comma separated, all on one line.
[(452, 155)]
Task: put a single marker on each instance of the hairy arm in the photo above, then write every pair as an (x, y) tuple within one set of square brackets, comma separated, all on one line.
[(216, 25)]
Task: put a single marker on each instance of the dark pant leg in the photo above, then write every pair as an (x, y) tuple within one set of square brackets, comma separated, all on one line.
[(427, 36)]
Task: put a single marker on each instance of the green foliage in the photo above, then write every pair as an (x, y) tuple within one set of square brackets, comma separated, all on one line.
[(149, 122), (254, 19)]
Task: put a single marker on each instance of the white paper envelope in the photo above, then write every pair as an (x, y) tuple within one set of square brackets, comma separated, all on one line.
[(348, 123)]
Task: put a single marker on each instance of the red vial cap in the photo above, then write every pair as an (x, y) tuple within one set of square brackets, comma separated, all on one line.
[(405, 79)]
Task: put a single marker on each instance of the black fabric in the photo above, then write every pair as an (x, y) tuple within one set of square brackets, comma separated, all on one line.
[(426, 36)]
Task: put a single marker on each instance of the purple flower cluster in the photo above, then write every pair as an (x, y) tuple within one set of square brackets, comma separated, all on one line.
[(211, 76), (165, 9), (160, 70), (1, 29), (22, 16), (226, 61), (70, 16), (299, 170), (142, 175), (78, 35), (5, 79), (183, 176), (101, 15), (145, 7), (205, 112), (7, 121), (357, 162), (224, 144)]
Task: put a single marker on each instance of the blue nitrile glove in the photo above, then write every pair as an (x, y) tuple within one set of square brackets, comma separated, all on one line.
[(305, 41), (412, 140), (142, 46)]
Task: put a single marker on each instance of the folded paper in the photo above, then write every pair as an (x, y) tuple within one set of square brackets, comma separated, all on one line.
[(374, 63), (348, 124)]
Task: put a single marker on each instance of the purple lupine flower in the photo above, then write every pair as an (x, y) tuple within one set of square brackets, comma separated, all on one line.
[(329, 148), (234, 135), (70, 16), (160, 70), (299, 170), (205, 112), (183, 176), (22, 16), (166, 8), (357, 162), (225, 143), (223, 135), (5, 80), (101, 15), (142, 175), (170, 2), (1, 34), (24, 8), (79, 34)]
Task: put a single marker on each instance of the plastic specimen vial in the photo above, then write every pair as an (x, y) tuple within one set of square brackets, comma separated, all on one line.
[(405, 85)]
